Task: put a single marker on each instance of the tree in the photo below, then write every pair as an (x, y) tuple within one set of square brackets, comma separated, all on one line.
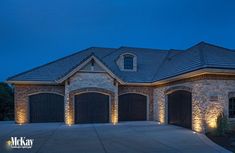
[(6, 102)]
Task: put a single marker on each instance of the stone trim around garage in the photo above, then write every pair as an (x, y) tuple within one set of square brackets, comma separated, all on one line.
[(22, 93), (231, 95), (146, 91), (177, 88), (70, 103)]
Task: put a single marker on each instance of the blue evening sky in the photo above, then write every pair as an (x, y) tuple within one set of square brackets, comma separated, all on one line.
[(36, 32)]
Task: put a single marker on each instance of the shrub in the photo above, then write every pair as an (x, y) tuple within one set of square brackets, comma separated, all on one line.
[(6, 102), (222, 125)]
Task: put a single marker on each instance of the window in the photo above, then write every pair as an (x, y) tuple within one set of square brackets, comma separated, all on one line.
[(128, 62), (232, 107)]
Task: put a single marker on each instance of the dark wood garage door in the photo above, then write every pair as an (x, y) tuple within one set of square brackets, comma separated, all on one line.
[(91, 108), (132, 107), (46, 107), (180, 109)]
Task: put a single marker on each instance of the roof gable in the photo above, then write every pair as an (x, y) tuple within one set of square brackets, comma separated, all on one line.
[(100, 65), (92, 66), (55, 70)]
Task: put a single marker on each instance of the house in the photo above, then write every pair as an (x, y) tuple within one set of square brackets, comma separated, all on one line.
[(188, 88)]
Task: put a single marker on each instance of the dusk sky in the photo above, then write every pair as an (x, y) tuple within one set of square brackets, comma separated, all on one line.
[(33, 33)]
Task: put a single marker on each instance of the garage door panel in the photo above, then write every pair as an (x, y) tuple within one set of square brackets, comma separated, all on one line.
[(46, 107), (91, 108), (137, 108), (180, 109), (83, 108), (132, 107)]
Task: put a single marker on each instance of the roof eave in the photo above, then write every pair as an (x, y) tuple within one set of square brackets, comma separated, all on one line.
[(198, 72), (32, 82)]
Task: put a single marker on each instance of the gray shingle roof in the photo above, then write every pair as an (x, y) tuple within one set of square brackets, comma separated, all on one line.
[(153, 64)]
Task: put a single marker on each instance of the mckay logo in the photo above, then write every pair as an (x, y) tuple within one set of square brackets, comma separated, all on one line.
[(20, 142)]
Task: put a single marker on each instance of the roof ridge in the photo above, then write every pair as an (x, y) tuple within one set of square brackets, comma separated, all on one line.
[(152, 49), (217, 46), (115, 50), (210, 44)]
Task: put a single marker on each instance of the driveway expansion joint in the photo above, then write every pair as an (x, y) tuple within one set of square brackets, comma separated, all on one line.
[(48, 138), (100, 140)]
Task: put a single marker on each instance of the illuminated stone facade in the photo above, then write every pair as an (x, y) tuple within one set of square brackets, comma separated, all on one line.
[(22, 93), (210, 96)]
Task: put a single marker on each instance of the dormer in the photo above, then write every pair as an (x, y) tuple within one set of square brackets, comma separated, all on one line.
[(127, 62)]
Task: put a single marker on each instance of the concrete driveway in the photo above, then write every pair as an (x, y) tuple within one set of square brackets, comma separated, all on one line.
[(130, 137)]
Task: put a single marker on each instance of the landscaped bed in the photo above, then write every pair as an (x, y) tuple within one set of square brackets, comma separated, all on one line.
[(227, 140)]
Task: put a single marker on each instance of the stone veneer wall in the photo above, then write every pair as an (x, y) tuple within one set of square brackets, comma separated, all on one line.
[(147, 91), (90, 82), (210, 96), (22, 93), (209, 99)]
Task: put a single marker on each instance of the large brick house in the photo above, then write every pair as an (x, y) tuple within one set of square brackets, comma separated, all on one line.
[(189, 88)]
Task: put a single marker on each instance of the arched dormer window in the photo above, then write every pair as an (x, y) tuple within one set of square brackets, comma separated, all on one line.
[(232, 107), (128, 62)]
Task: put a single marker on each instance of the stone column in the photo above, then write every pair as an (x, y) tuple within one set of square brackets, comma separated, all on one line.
[(115, 106), (21, 104), (69, 107)]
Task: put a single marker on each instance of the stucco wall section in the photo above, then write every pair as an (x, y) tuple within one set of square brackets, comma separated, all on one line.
[(209, 98), (147, 91), (22, 93)]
